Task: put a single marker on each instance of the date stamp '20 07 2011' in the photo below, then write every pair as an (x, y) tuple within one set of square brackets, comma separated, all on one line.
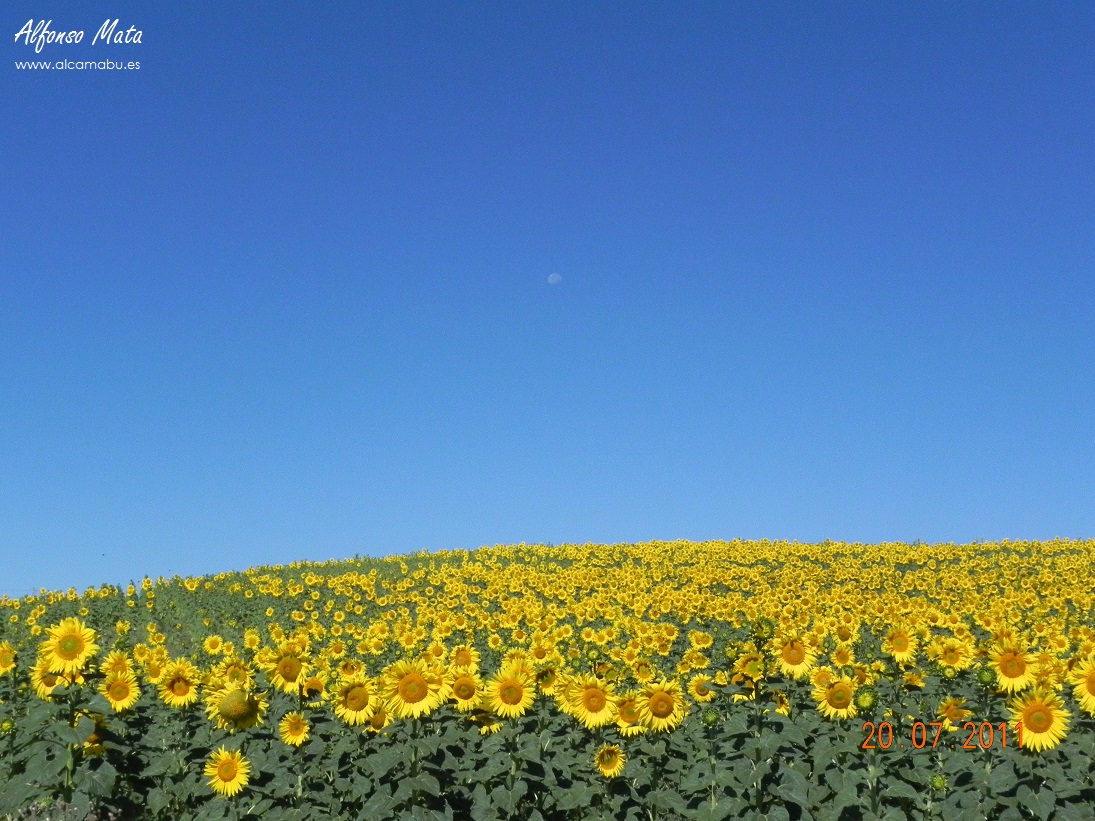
[(979, 736)]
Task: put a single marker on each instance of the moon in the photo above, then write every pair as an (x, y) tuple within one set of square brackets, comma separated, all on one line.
[(555, 279)]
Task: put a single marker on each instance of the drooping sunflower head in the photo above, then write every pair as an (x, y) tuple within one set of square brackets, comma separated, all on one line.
[(953, 712), (314, 689), (228, 772), (235, 708), (546, 679), (610, 760)]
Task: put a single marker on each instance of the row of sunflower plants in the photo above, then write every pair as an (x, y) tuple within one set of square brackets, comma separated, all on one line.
[(517, 683)]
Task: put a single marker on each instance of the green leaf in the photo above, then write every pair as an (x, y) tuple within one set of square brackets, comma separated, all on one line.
[(1002, 778), (379, 804), (725, 808), (573, 797), (156, 800), (794, 786), (509, 799), (664, 799), (899, 789), (18, 794)]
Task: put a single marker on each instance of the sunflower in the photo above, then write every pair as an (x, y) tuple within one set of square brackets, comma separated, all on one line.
[(410, 689), (836, 699), (547, 679), (700, 690), (116, 662), (592, 701), (952, 654), (234, 671), (178, 684), (610, 760), (795, 657), (749, 665), (313, 688), (233, 707), (900, 643), (213, 645), (1083, 681), (487, 723), (294, 729), (227, 772), (1043, 718), (661, 705), (121, 690), (510, 692), (7, 657), (288, 668), (355, 699), (1012, 668), (952, 711), (467, 689), (629, 717), (379, 719), (69, 647)]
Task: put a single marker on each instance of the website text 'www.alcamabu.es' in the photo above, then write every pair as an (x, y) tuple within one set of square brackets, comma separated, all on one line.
[(77, 65)]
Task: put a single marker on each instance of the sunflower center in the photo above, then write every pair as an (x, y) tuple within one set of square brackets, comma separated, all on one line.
[(289, 668), (840, 695), (661, 705), (235, 705), (1038, 719), (356, 698), (226, 770), (900, 643), (462, 658), (607, 758), (70, 647), (1012, 666), (464, 688), (1089, 683), (511, 693), (794, 653), (413, 688), (594, 700), (180, 687), (119, 691), (950, 656)]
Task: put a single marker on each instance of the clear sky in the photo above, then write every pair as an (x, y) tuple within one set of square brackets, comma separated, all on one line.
[(286, 291)]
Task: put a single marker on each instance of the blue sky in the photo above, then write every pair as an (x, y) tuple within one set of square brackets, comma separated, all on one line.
[(282, 292)]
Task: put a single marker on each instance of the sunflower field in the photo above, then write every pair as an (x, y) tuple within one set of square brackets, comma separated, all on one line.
[(664, 680)]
